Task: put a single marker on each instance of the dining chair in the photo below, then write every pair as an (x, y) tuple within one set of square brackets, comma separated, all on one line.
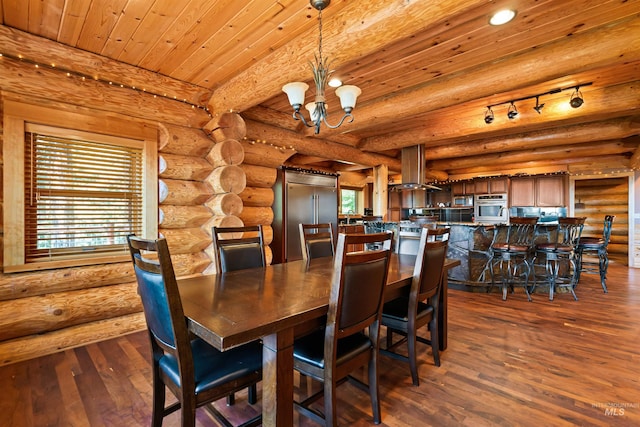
[(440, 233), (316, 240), (238, 248), (596, 246), (406, 314), (331, 353), (195, 372)]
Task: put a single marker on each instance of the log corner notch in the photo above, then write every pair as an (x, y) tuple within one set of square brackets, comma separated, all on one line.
[(223, 126)]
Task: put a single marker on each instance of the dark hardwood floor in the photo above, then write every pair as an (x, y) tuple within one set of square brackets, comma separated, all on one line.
[(509, 363)]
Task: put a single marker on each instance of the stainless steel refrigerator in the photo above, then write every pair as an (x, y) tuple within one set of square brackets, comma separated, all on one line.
[(301, 197)]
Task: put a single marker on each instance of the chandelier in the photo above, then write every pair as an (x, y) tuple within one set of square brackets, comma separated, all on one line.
[(348, 94)]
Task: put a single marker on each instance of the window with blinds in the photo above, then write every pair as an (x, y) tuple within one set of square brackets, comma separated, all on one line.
[(82, 198)]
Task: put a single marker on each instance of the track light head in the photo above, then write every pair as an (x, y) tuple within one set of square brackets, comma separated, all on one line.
[(488, 116), (512, 113), (538, 106), (576, 99)]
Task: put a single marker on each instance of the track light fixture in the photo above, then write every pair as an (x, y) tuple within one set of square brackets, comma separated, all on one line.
[(575, 101), (576, 98), (488, 116), (538, 106)]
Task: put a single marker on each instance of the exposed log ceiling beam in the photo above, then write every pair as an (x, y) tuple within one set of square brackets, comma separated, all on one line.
[(351, 34), (465, 122), (594, 149), (16, 43), (316, 147), (561, 136), (583, 51)]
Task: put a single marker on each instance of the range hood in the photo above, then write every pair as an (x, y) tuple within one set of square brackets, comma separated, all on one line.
[(413, 167)]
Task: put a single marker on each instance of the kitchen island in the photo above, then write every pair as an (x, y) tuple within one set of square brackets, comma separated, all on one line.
[(469, 242)]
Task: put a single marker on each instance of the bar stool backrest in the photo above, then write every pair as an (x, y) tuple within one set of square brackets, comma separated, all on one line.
[(569, 231), (521, 231), (606, 231)]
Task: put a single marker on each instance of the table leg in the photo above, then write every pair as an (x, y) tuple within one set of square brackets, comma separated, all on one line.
[(442, 311), (277, 379)]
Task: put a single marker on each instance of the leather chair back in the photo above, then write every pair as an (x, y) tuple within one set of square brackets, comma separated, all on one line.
[(238, 248)]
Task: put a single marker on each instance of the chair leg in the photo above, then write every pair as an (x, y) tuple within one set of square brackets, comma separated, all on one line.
[(330, 414), (374, 389), (435, 340), (231, 399), (252, 394), (413, 364), (604, 265), (158, 400)]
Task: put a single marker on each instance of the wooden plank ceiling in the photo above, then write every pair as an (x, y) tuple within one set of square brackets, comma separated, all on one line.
[(427, 69)]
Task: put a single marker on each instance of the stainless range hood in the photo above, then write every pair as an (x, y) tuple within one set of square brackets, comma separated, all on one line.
[(413, 167)]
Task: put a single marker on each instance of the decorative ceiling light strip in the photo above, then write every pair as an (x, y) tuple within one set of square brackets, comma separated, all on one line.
[(85, 77)]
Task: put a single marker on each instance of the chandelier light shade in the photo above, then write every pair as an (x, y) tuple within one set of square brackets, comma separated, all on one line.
[(295, 91)]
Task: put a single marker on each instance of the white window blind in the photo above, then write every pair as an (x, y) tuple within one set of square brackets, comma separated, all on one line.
[(81, 197)]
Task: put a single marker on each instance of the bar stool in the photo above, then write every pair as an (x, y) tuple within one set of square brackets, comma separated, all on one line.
[(561, 251), (514, 255), (596, 246)]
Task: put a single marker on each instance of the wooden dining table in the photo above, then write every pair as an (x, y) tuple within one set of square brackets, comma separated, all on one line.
[(277, 304)]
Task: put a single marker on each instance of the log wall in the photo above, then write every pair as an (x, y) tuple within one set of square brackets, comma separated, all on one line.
[(42, 312), (606, 196)]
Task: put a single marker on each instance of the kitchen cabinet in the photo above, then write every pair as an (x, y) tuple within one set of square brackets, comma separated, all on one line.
[(394, 206), (523, 192), (462, 188), (550, 191), (491, 186), (541, 191)]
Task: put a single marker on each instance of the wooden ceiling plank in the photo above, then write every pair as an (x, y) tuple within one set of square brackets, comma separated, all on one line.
[(45, 17), (289, 23), (187, 33), (15, 14), (73, 17), (152, 30), (100, 20), (126, 25)]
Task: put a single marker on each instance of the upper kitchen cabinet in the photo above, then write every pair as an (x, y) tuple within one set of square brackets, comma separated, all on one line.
[(462, 188), (523, 192), (491, 186), (541, 191), (550, 190)]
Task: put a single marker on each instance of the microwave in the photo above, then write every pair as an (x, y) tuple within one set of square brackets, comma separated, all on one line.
[(463, 201)]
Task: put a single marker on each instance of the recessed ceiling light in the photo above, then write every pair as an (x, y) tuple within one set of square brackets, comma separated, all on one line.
[(502, 17)]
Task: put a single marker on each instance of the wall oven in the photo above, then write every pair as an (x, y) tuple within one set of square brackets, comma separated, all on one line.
[(491, 208)]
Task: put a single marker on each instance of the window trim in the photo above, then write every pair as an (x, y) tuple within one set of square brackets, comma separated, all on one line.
[(16, 116)]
